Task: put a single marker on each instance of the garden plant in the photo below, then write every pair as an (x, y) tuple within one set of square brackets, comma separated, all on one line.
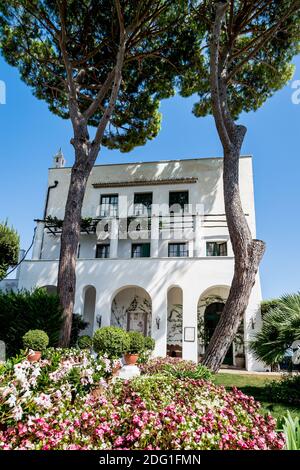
[(112, 341), (52, 405)]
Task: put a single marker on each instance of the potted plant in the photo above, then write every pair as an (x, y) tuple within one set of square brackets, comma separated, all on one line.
[(112, 342), (136, 346), (36, 341), (240, 361)]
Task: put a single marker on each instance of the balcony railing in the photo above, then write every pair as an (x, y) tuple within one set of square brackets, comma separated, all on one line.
[(173, 222)]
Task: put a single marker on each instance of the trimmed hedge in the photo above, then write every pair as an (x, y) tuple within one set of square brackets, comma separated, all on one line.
[(32, 310), (112, 341), (136, 342), (37, 340), (25, 310), (286, 390)]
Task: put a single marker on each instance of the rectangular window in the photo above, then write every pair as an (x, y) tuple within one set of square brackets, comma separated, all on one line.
[(102, 251), (78, 250), (140, 250), (142, 204), (216, 249), (177, 200), (109, 205), (178, 250)]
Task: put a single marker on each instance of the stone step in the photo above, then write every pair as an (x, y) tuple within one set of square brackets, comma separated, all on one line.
[(128, 372)]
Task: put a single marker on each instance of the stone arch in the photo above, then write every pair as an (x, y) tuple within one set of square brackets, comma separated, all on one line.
[(210, 306), (174, 321), (89, 303), (50, 288), (131, 309)]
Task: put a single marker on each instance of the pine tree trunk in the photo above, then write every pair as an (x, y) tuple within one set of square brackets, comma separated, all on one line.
[(248, 253), (69, 241)]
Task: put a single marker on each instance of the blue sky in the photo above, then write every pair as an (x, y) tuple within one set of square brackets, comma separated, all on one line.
[(30, 136)]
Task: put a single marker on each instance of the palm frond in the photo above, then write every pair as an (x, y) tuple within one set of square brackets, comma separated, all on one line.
[(280, 328)]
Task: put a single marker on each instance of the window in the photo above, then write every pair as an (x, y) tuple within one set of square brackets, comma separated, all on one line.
[(216, 249), (178, 249), (78, 250), (177, 200), (102, 251), (140, 250), (142, 204), (109, 205)]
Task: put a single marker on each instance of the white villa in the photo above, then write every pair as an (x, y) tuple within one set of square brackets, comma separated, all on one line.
[(154, 252)]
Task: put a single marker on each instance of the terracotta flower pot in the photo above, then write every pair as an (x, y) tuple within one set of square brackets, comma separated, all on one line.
[(34, 356), (131, 359), (240, 362)]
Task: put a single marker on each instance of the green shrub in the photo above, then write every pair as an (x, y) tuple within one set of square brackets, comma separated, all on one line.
[(136, 342), (176, 367), (9, 248), (37, 340), (200, 372), (286, 390), (112, 341), (25, 310), (85, 342), (149, 343)]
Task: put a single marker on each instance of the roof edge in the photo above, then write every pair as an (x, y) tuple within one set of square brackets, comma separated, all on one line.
[(154, 161)]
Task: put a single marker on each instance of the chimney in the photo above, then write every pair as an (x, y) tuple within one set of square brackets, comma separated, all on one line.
[(59, 160)]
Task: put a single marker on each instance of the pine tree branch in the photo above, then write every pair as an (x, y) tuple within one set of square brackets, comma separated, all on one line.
[(215, 77), (116, 84), (75, 114), (265, 37)]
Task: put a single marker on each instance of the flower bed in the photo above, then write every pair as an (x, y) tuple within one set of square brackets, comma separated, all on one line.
[(149, 412), (175, 367), (28, 388)]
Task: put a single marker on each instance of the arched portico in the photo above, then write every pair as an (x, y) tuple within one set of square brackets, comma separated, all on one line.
[(174, 322), (210, 307), (51, 289), (131, 309), (89, 296)]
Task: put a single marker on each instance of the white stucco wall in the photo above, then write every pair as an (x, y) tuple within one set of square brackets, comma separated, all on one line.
[(207, 191), (156, 276), (194, 275)]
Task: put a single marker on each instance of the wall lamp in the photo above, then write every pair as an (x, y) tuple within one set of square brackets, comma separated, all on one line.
[(99, 320), (157, 322)]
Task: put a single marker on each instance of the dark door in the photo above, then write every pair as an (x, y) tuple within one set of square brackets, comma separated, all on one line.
[(211, 318)]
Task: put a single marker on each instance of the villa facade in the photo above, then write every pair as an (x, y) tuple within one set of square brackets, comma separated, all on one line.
[(154, 252)]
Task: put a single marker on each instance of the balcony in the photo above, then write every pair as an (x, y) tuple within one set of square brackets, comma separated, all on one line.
[(121, 232)]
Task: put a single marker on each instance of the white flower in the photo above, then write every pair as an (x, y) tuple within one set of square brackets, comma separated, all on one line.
[(43, 400), (36, 372), (17, 413), (5, 391), (11, 401), (103, 383), (58, 394)]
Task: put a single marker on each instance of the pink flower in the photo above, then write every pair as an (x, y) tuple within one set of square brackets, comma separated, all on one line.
[(119, 441)]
